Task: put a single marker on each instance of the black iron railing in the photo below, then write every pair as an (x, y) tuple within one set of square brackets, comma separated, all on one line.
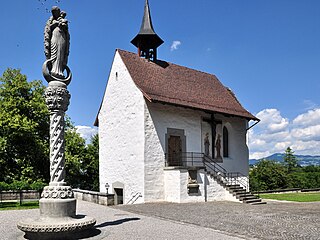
[(238, 178), (194, 159), (184, 159)]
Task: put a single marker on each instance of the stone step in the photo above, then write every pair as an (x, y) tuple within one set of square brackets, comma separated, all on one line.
[(237, 191), (248, 197), (258, 203), (237, 195), (245, 194), (252, 200), (234, 187)]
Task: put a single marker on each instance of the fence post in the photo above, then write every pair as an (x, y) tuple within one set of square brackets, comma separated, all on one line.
[(192, 159), (20, 196)]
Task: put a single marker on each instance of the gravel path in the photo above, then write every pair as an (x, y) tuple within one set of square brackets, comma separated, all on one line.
[(275, 220), (212, 220), (113, 223)]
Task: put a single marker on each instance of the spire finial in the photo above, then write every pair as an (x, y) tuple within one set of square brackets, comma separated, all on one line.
[(147, 41)]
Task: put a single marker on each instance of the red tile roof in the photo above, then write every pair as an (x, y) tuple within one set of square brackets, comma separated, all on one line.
[(170, 83)]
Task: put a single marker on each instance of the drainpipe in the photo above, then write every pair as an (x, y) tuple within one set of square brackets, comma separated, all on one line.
[(205, 186)]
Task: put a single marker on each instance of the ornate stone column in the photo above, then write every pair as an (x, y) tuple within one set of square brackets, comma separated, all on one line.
[(57, 199), (57, 99), (58, 218)]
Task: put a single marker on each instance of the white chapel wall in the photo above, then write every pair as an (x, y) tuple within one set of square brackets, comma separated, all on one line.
[(154, 161), (158, 118), (176, 187), (237, 161), (168, 116), (121, 133)]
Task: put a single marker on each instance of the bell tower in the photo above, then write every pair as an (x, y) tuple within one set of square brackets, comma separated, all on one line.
[(147, 41)]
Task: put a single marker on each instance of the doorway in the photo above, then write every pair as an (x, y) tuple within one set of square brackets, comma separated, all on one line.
[(175, 146), (118, 196), (174, 151)]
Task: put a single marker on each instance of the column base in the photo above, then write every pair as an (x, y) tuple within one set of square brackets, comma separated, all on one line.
[(55, 228), (58, 219)]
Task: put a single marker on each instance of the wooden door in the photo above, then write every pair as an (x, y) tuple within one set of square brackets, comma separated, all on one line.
[(174, 151)]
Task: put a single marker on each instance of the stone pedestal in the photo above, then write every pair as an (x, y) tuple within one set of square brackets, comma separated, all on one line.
[(58, 219), (48, 228)]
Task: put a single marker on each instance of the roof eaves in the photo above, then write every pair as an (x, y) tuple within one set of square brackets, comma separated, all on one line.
[(191, 104)]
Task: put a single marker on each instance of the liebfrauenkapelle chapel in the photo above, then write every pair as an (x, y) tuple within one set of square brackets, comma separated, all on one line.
[(168, 132)]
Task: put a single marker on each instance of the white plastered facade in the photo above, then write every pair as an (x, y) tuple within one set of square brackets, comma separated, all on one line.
[(133, 136)]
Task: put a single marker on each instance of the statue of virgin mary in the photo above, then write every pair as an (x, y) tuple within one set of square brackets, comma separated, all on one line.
[(56, 44)]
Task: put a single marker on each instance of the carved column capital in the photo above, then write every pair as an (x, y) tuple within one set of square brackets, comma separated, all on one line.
[(57, 96)]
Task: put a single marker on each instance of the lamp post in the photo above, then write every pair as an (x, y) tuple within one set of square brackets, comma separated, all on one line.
[(107, 187)]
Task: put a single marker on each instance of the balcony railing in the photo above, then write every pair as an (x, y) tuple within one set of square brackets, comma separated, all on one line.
[(184, 159), (194, 159)]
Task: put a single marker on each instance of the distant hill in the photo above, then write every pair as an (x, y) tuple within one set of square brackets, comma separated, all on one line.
[(304, 160)]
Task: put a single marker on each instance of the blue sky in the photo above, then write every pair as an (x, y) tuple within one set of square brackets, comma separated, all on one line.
[(267, 52)]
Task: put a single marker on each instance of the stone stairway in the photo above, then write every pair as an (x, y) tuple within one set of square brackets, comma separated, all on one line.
[(229, 181), (237, 191), (244, 196)]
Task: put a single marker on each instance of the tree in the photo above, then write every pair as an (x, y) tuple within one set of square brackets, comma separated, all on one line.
[(75, 152), (267, 175), (24, 124), (93, 162), (290, 160), (24, 138), (82, 161)]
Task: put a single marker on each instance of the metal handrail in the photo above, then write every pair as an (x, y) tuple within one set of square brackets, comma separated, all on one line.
[(184, 159), (209, 162), (238, 178), (134, 198), (196, 159)]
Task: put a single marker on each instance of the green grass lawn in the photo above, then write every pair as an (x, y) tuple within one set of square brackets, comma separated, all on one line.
[(295, 197), (13, 205)]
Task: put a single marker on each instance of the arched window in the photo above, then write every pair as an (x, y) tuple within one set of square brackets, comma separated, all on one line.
[(225, 142)]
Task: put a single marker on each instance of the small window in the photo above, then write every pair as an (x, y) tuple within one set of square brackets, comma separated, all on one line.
[(225, 142)]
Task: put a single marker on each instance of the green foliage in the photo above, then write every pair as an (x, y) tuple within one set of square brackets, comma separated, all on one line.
[(22, 185), (304, 180), (290, 160), (24, 123), (24, 139), (267, 175), (270, 175), (4, 186), (37, 185), (17, 206), (82, 161), (19, 185), (296, 197), (74, 153), (93, 162)]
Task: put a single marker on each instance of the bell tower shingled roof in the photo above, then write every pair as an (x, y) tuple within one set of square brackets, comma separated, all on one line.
[(147, 41)]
